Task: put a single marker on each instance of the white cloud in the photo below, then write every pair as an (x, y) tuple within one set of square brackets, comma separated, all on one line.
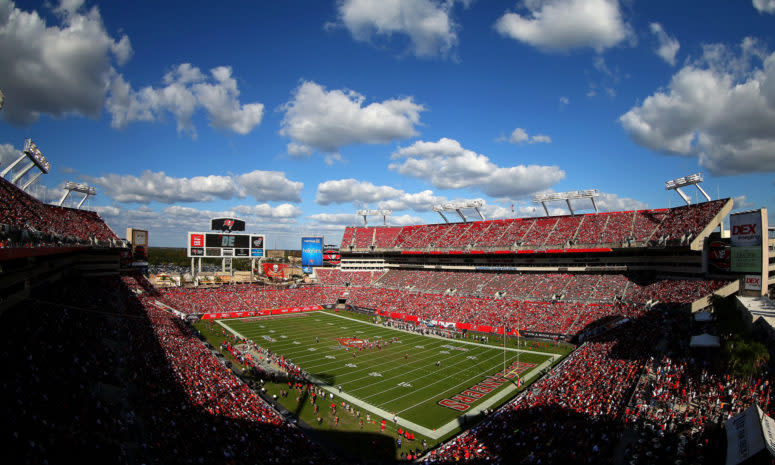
[(168, 227), (421, 201), (667, 46), (185, 89), (720, 109), (564, 101), (519, 135), (764, 6), (558, 25), (352, 190), (270, 185), (56, 69), (608, 202), (265, 210), (447, 165), (741, 201), (343, 219), (427, 23), (157, 186), (327, 120), (8, 155)]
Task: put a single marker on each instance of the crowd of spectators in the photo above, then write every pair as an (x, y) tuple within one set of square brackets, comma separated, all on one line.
[(675, 226), (25, 221), (619, 398), (336, 277), (243, 297), (97, 373)]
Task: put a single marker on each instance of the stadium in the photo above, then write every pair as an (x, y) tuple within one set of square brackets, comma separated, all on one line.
[(376, 232), (395, 349)]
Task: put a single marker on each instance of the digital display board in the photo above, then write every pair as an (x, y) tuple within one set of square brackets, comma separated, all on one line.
[(202, 244), (312, 251)]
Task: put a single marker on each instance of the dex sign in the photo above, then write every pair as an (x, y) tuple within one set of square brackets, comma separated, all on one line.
[(746, 229)]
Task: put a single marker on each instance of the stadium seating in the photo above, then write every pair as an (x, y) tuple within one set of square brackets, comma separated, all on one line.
[(27, 221), (100, 375), (385, 237), (347, 238), (657, 227), (363, 238)]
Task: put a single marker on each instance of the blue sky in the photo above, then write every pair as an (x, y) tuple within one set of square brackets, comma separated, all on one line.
[(293, 115)]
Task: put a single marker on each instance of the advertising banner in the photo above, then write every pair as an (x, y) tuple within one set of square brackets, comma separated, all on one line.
[(753, 282), (746, 229), (267, 312), (312, 251), (746, 259)]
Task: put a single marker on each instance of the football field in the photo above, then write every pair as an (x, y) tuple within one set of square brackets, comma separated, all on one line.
[(428, 382)]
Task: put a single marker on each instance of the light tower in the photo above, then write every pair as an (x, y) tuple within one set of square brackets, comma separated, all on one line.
[(567, 197), (458, 207), (32, 153), (84, 189), (692, 179), (366, 213)]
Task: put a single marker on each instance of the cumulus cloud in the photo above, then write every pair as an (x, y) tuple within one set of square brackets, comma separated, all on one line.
[(611, 203), (264, 210), (560, 25), (270, 185), (8, 154), (322, 120), (720, 109), (352, 190), (447, 165), (764, 6), (157, 186), (153, 186), (167, 227), (343, 219), (741, 201), (185, 90), (56, 69), (564, 101), (520, 136), (420, 201), (427, 23), (667, 46)]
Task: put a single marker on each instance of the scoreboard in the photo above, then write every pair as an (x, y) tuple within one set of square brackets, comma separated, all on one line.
[(218, 245)]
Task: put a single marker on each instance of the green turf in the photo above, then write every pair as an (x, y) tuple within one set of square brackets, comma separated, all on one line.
[(385, 379)]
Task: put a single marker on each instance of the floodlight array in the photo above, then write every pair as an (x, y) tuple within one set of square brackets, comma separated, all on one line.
[(34, 154), (567, 197), (458, 207), (570, 195), (684, 181), (366, 213), (80, 187)]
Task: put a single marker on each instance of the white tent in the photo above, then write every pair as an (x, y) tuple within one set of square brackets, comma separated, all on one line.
[(749, 432), (704, 340)]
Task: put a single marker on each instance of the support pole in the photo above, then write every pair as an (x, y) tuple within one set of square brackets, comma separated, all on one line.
[(82, 200), (705, 194), (12, 166), (33, 179), (22, 173)]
